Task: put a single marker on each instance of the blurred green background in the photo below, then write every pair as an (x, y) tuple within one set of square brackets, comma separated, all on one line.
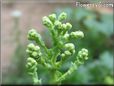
[(96, 23)]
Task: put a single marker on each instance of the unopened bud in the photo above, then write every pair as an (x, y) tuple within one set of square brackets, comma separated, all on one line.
[(62, 16), (62, 55), (31, 60), (58, 25), (68, 26), (52, 17), (31, 65), (34, 54), (66, 36), (47, 22), (77, 34), (32, 34), (68, 53), (64, 26), (28, 51), (83, 54), (37, 48), (31, 46), (69, 46)]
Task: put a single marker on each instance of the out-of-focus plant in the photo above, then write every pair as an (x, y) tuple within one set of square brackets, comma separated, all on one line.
[(16, 71), (16, 32), (109, 80), (88, 73), (62, 48), (18, 53), (103, 65)]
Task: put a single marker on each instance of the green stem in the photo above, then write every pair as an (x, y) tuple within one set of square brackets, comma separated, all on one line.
[(35, 78), (52, 77), (65, 75), (44, 63), (42, 44), (57, 52), (53, 35)]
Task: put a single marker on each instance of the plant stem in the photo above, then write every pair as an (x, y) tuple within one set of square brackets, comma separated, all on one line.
[(64, 76), (35, 78)]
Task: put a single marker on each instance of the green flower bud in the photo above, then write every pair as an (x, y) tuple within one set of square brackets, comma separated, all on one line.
[(64, 29), (47, 22), (83, 54), (85, 50), (32, 34), (52, 17), (62, 16), (34, 51), (69, 46), (67, 53), (28, 51), (28, 65), (31, 46), (34, 54), (68, 26), (37, 48), (64, 26), (77, 34), (66, 36), (31, 65), (62, 55), (32, 61), (58, 25)]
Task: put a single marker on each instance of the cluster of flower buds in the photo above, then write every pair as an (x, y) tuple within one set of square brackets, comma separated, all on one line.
[(66, 36), (58, 25), (63, 28), (69, 50), (82, 56), (33, 51), (62, 16), (33, 35), (51, 22), (31, 66), (52, 17), (47, 22), (61, 46), (77, 34)]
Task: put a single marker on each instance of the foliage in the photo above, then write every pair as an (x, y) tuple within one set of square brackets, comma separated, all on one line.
[(16, 71)]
